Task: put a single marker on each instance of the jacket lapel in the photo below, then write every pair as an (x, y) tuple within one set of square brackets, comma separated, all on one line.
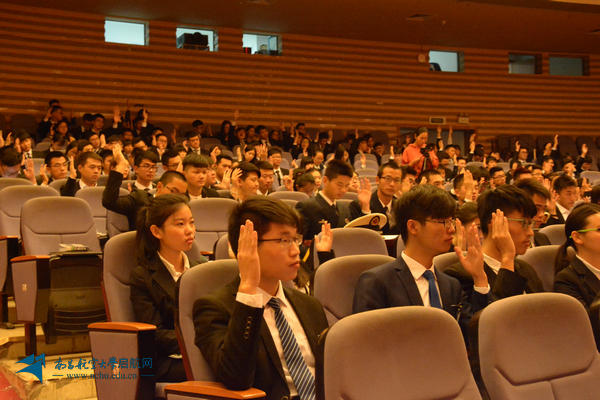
[(409, 283), (591, 283), (305, 318), (164, 279)]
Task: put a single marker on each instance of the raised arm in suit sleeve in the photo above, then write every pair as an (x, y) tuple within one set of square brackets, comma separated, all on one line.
[(69, 188), (110, 197)]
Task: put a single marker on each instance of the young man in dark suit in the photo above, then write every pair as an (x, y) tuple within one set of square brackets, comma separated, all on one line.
[(275, 157), (425, 216), (322, 208), (254, 332), (564, 191), (89, 166), (389, 180)]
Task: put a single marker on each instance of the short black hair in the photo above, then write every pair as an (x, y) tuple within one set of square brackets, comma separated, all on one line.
[(224, 157), (562, 182), (427, 174), (105, 153), (336, 168), (520, 171), (197, 123), (167, 155), (305, 161), (262, 211), (467, 212), (264, 165), (191, 134), (196, 161), (390, 164), (275, 150), (507, 198), (304, 179), (10, 157), (168, 176), (406, 170), (86, 155), (596, 194), (53, 154), (422, 202), (248, 168), (145, 155), (458, 181), (493, 170), (532, 187)]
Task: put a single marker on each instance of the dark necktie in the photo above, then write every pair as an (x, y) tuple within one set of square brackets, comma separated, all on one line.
[(278, 173), (301, 375), (434, 296)]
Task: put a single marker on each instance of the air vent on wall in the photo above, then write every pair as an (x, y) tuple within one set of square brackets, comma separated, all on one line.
[(437, 120)]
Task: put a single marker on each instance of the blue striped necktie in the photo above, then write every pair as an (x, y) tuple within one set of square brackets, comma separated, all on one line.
[(301, 375), (434, 296)]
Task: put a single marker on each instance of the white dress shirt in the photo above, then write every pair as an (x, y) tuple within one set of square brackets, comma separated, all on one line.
[(563, 211), (260, 300), (171, 268), (139, 186), (417, 270)]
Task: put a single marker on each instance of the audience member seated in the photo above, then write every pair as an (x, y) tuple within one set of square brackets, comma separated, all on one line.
[(245, 181), (275, 157), (322, 208), (10, 162), (521, 173), (305, 183), (265, 182), (170, 182), (431, 177), (425, 216), (52, 117), (255, 332), (564, 192), (171, 160), (409, 180), (381, 200), (165, 231), (55, 167), (89, 166), (540, 197), (463, 188), (505, 216), (195, 169), (581, 278), (144, 167)]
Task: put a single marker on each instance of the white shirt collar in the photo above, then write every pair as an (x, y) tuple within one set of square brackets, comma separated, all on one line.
[(330, 202), (139, 186), (563, 211), (492, 263), (83, 185), (589, 266), (171, 268), (416, 268), (279, 294)]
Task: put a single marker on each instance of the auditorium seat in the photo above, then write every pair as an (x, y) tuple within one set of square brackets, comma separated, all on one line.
[(93, 196), (210, 217), (6, 182), (351, 241), (297, 196), (350, 196), (397, 353), (554, 233), (57, 184), (336, 279), (221, 251), (592, 176), (542, 260), (443, 261), (370, 165), (538, 346)]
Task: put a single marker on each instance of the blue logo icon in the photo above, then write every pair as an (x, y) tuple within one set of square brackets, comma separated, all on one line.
[(34, 365)]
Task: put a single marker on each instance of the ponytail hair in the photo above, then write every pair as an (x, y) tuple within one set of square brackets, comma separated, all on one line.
[(156, 213), (576, 221)]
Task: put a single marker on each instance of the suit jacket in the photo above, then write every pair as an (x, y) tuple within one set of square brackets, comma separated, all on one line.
[(504, 284), (314, 211), (153, 296), (127, 205), (284, 172), (392, 285), (376, 207), (578, 281), (70, 187), (555, 219), (238, 346)]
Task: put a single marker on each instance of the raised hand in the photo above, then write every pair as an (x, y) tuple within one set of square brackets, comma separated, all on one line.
[(472, 262), (235, 176), (324, 241), (29, 172), (45, 179), (500, 235), (584, 149), (116, 115), (517, 146), (248, 260), (364, 195), (72, 170)]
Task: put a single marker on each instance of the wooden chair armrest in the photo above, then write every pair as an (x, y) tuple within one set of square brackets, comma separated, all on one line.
[(29, 258), (213, 390), (121, 326)]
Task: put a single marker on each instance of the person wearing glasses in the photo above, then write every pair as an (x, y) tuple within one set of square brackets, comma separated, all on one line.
[(506, 216), (144, 167), (425, 217), (389, 181), (581, 277), (171, 182), (255, 331), (55, 167)]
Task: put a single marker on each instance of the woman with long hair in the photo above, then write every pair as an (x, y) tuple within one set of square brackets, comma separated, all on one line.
[(165, 231), (581, 277)]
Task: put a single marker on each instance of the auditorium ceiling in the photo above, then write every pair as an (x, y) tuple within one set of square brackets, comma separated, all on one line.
[(568, 26)]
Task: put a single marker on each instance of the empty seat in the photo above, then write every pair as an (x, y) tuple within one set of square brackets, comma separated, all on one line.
[(542, 260), (554, 233), (210, 217), (297, 196), (336, 279), (351, 241), (397, 353), (6, 182), (538, 346), (12, 199)]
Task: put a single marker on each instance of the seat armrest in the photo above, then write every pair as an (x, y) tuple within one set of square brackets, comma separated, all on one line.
[(212, 390), (29, 258), (121, 326)]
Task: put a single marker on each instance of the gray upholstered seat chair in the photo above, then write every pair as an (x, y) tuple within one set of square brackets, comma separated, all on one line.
[(443, 261), (542, 260), (335, 281), (93, 196), (6, 182), (222, 248), (397, 353), (554, 233), (57, 184), (350, 241), (116, 223), (60, 291), (297, 196), (538, 346), (210, 217)]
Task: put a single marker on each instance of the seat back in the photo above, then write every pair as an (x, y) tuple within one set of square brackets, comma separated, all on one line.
[(542, 260), (6, 182), (555, 233), (336, 279), (46, 222), (119, 262), (443, 261), (193, 284), (222, 248), (403, 352), (286, 195), (400, 246), (12, 199), (592, 176), (351, 241), (116, 223), (57, 184), (211, 216), (538, 346), (93, 196)]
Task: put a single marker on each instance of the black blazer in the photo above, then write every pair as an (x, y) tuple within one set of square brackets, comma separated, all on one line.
[(70, 187), (504, 284), (555, 219), (376, 207), (392, 285), (153, 296), (237, 343), (578, 281), (127, 205), (314, 211)]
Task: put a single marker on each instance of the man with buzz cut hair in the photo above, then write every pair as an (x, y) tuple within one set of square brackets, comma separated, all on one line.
[(195, 169), (89, 166), (565, 193), (323, 208)]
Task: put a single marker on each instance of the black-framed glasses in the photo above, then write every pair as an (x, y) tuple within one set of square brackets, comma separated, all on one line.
[(525, 223), (285, 242), (389, 179), (149, 166), (449, 223)]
